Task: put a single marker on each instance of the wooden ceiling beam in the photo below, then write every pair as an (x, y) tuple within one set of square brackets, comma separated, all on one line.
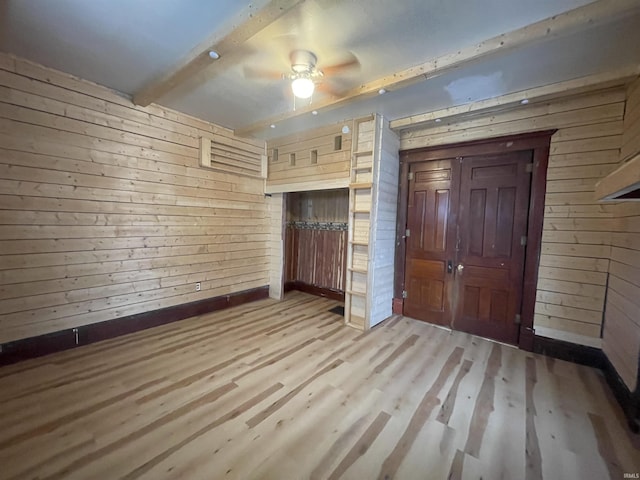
[(250, 21), (593, 14)]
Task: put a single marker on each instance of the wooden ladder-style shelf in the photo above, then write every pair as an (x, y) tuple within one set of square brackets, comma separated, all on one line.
[(360, 206)]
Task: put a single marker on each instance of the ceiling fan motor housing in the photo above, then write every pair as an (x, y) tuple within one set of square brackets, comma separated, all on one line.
[(303, 61)]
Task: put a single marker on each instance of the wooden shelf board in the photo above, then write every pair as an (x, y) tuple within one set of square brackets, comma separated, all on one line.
[(362, 244), (362, 153), (360, 210), (357, 186), (359, 294), (356, 321), (621, 184), (358, 270)]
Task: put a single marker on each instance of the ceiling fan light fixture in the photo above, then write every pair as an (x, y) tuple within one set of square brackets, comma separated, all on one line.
[(302, 87)]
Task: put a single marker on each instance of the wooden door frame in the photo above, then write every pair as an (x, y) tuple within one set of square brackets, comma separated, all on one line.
[(539, 143)]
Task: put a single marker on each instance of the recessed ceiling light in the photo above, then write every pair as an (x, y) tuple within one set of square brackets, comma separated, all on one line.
[(438, 120), (382, 91), (272, 125), (214, 55), (524, 101), (346, 129), (315, 112)]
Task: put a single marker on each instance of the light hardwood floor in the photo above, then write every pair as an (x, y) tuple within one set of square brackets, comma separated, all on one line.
[(284, 391)]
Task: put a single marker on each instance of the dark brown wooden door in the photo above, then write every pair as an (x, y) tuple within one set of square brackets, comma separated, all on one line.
[(492, 229), (431, 210), (465, 255)]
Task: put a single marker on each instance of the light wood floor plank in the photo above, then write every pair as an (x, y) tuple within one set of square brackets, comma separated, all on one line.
[(280, 390)]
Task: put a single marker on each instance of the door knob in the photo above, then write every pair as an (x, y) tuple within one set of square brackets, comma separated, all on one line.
[(460, 268)]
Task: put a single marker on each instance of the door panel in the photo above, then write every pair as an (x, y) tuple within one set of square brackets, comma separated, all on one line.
[(472, 212), (493, 212), (431, 243)]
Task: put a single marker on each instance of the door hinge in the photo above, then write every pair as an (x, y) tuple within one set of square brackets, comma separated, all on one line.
[(404, 294), (407, 233), (518, 319), (523, 241), (410, 175), (529, 168)]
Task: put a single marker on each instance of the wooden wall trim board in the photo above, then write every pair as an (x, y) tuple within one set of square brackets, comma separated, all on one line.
[(37, 346), (401, 246), (534, 240), (105, 212), (308, 186)]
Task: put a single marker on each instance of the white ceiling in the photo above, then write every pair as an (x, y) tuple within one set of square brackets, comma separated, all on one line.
[(125, 44)]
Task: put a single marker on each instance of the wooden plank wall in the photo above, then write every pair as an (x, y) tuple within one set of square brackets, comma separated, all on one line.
[(384, 216), (631, 137), (316, 257), (621, 335), (104, 212), (330, 170), (315, 254), (318, 206), (576, 243), (277, 215)]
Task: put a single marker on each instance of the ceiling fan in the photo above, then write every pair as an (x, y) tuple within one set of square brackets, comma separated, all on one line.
[(305, 74)]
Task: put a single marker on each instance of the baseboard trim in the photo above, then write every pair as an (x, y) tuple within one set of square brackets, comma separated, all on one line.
[(397, 306), (24, 349), (596, 358), (628, 400), (571, 352), (315, 290)]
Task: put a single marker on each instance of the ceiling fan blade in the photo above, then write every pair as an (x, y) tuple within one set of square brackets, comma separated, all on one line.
[(349, 63), (286, 42), (262, 74), (329, 89)]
